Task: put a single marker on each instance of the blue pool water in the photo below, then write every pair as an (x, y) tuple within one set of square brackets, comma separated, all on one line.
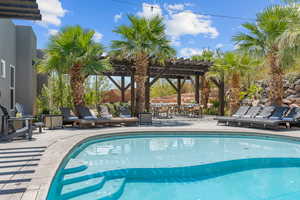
[(181, 167)]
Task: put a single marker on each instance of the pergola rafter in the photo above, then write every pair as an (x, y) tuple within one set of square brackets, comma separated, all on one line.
[(178, 69), (20, 9)]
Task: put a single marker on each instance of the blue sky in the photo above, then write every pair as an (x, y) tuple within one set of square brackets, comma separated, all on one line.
[(187, 25)]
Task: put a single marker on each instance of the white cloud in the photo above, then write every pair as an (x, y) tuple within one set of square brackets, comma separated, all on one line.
[(176, 7), (189, 23), (52, 12), (117, 17), (52, 32), (175, 42), (219, 46), (150, 10), (97, 36), (188, 52)]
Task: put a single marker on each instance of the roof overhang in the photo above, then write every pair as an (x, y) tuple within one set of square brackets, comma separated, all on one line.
[(20, 9)]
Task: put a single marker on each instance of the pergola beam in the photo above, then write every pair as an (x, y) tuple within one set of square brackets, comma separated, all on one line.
[(20, 9)]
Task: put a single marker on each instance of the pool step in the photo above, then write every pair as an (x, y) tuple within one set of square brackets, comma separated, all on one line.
[(74, 166), (76, 177), (79, 188), (111, 190)]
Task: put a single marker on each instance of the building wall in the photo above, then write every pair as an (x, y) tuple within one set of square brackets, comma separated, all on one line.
[(18, 48), (8, 54), (25, 72)]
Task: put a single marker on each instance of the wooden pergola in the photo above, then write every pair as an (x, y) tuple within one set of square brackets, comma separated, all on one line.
[(178, 69), (20, 9)]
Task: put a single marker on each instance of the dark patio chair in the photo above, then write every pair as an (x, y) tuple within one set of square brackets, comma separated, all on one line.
[(283, 116), (264, 114), (38, 122), (8, 130), (87, 118), (252, 113), (68, 117), (275, 119), (239, 113), (124, 112)]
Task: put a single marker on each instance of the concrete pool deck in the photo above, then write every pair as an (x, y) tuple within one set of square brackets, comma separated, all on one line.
[(27, 167)]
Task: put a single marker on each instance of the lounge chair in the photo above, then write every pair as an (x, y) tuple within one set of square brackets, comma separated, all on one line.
[(124, 119), (104, 113), (279, 118), (251, 114), (239, 113), (8, 130), (264, 114), (87, 118), (68, 117), (124, 112)]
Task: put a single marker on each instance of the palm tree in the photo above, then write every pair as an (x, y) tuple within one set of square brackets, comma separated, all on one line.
[(235, 64), (262, 40), (143, 41), (73, 51)]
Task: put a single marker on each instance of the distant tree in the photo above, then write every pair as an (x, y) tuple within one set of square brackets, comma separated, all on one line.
[(143, 41)]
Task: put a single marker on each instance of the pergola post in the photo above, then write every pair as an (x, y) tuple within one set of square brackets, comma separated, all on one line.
[(179, 91), (197, 89), (123, 89), (132, 94)]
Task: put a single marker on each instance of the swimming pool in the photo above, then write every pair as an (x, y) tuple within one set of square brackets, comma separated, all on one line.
[(180, 167)]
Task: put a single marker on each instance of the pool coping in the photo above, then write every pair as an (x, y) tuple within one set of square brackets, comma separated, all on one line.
[(57, 151)]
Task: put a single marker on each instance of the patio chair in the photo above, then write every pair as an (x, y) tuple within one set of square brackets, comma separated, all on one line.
[(68, 117), (239, 113), (264, 114), (277, 118), (251, 114), (103, 112), (124, 112), (8, 130), (281, 118), (37, 124), (123, 119)]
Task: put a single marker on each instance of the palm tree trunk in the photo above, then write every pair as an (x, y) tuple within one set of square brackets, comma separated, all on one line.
[(61, 88), (234, 98), (205, 91), (141, 76), (77, 85), (276, 82)]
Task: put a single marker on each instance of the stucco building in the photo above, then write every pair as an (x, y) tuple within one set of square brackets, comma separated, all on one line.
[(18, 79)]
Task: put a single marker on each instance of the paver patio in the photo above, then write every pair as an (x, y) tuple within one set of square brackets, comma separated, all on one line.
[(27, 167)]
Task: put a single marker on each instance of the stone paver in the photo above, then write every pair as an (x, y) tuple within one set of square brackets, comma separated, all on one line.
[(54, 145)]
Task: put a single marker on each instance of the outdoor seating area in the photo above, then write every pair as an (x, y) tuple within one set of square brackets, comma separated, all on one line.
[(167, 111), (149, 100)]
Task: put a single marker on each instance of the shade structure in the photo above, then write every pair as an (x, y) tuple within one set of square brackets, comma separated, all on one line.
[(20, 9), (173, 68)]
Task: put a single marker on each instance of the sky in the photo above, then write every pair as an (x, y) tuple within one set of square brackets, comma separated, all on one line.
[(191, 25)]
